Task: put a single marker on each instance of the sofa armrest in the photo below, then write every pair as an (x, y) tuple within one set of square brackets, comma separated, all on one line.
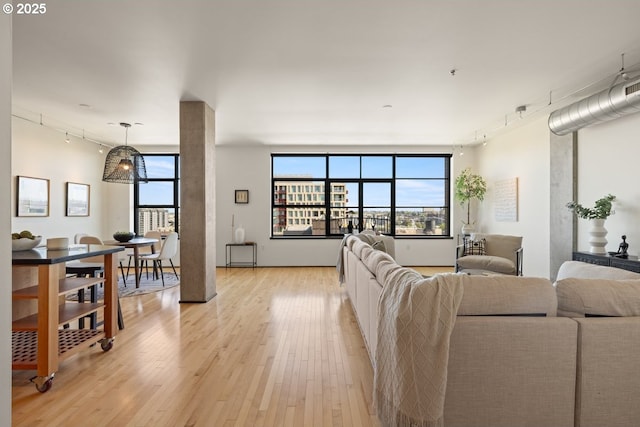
[(459, 253)]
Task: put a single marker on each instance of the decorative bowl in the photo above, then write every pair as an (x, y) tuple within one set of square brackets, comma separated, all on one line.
[(24, 244), (123, 236)]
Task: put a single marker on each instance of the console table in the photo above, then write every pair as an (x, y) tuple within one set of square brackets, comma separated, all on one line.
[(632, 263), (254, 255)]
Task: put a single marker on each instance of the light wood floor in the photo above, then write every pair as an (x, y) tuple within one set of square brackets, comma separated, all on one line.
[(275, 347)]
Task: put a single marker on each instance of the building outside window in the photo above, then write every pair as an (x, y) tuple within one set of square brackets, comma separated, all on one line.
[(399, 195), (156, 203)]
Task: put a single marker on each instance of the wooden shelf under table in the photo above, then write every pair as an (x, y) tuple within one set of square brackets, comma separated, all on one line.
[(67, 312), (24, 345), (67, 285)]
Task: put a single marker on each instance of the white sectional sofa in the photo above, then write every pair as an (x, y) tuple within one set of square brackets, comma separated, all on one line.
[(512, 360)]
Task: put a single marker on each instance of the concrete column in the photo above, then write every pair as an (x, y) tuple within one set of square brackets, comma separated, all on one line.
[(197, 203), (564, 186)]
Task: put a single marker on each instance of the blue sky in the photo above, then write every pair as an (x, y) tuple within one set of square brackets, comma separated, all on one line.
[(158, 193)]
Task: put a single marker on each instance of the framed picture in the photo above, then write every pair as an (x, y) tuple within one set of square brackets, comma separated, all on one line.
[(78, 196), (242, 196), (33, 196)]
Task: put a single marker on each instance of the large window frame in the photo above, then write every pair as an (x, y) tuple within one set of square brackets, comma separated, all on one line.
[(173, 181), (435, 219)]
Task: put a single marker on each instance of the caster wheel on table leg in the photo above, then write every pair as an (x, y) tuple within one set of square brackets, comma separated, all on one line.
[(106, 344), (43, 384)]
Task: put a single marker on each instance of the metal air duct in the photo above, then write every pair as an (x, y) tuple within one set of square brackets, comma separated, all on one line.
[(612, 103)]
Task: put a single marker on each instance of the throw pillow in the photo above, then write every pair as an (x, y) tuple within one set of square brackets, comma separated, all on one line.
[(379, 245), (474, 247)]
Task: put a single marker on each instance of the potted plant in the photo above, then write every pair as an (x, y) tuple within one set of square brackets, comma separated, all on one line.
[(469, 186), (596, 215)]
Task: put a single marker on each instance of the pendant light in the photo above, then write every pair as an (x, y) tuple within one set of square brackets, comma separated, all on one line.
[(124, 164)]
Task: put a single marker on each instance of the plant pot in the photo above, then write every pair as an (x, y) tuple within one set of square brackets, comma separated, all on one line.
[(597, 236), (467, 229)]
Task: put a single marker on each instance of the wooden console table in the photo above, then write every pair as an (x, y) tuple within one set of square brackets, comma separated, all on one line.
[(39, 284), (632, 263)]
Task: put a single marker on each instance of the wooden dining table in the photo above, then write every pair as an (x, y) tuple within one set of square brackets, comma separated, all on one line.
[(136, 243)]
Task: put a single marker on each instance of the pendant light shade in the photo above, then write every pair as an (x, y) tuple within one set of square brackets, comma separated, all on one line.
[(124, 164)]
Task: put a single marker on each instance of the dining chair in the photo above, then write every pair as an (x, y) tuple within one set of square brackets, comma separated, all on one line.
[(93, 266), (145, 250), (99, 260), (168, 250), (78, 236)]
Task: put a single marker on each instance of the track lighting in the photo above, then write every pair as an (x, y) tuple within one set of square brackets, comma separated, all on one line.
[(66, 139)]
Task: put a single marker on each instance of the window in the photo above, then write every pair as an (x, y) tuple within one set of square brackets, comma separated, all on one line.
[(400, 195), (156, 203)]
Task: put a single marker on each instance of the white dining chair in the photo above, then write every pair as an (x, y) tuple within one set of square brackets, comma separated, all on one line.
[(145, 250), (169, 250)]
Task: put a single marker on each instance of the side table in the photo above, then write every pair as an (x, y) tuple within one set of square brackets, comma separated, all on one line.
[(631, 263), (228, 260)]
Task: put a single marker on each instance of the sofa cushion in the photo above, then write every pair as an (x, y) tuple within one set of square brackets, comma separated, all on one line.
[(579, 297), (378, 241), (507, 295), (377, 257), (474, 247), (592, 271), (358, 246), (487, 262)]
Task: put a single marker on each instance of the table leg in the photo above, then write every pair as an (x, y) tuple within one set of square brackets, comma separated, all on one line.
[(156, 275), (136, 266)]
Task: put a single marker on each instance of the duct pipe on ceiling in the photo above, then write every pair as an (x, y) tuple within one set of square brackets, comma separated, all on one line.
[(612, 103)]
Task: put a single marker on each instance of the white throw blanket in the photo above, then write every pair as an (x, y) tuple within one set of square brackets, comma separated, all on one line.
[(340, 261), (415, 318)]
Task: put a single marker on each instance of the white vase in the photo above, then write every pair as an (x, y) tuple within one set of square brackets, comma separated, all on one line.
[(597, 236), (467, 229), (239, 235)]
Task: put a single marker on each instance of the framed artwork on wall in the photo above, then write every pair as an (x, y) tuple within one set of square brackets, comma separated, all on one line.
[(242, 196), (78, 199), (32, 196)]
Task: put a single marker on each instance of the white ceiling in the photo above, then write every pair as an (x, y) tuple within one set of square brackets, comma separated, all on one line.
[(315, 72)]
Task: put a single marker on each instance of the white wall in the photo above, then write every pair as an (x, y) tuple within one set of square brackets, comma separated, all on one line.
[(41, 152), (249, 167), (5, 218), (522, 153), (608, 156)]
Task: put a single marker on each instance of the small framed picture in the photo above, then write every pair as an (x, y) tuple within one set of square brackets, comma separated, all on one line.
[(78, 198), (242, 196), (33, 196)]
